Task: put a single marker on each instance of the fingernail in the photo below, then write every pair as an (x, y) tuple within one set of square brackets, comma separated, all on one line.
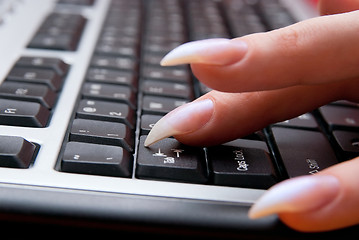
[(185, 119), (218, 51), (308, 193)]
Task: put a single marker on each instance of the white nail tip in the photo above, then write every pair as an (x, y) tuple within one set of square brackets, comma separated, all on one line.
[(187, 118), (160, 130), (296, 195), (191, 52)]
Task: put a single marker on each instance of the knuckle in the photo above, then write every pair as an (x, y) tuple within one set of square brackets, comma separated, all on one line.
[(289, 41)]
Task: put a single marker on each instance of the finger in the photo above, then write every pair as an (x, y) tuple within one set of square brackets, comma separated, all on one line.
[(218, 117), (337, 6), (319, 50), (325, 201)]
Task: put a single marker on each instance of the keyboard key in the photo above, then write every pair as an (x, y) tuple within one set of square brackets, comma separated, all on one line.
[(45, 41), (103, 75), (33, 75), (19, 113), (28, 92), (160, 105), (303, 152), (116, 63), (59, 23), (102, 132), (243, 164), (55, 64), (147, 122), (106, 48), (306, 120), (77, 2), (169, 74), (96, 159), (167, 89), (59, 31), (106, 111), (16, 152), (340, 117), (171, 160), (109, 92), (348, 143)]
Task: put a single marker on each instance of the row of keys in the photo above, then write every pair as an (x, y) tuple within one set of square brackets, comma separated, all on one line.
[(243, 163), (101, 138), (30, 91)]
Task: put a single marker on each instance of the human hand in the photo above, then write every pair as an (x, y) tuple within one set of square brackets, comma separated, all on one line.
[(305, 65)]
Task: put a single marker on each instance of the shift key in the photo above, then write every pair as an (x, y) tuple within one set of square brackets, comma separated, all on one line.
[(303, 152)]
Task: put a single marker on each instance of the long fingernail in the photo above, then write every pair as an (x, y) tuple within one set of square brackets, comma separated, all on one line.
[(297, 195), (187, 118), (217, 51)]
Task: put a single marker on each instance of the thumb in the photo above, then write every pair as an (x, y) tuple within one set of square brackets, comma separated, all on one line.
[(325, 201)]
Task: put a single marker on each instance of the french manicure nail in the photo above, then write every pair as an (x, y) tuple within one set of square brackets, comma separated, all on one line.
[(218, 51), (297, 195), (187, 118)]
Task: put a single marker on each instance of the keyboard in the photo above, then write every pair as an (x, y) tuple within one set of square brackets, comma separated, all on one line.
[(82, 87)]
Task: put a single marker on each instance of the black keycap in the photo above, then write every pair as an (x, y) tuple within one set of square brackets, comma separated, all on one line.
[(63, 23), (303, 152), (160, 47), (169, 74), (103, 75), (102, 132), (116, 63), (106, 111), (171, 160), (306, 120), (348, 143), (106, 48), (244, 163), (19, 113), (96, 159), (16, 152), (147, 122), (109, 92), (55, 64), (28, 92), (77, 2), (160, 105), (340, 117), (167, 89), (59, 31), (33, 75), (152, 59), (64, 42)]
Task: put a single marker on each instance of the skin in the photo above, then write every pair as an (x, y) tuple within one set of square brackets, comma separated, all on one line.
[(305, 65)]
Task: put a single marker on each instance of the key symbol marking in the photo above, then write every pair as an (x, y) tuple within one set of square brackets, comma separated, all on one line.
[(169, 160), (159, 154), (177, 151)]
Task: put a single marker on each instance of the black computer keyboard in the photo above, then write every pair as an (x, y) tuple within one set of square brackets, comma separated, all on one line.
[(76, 106)]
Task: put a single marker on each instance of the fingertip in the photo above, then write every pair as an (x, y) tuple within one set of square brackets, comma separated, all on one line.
[(183, 120), (216, 51), (297, 195)]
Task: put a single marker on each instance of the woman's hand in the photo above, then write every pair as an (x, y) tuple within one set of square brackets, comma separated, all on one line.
[(259, 79)]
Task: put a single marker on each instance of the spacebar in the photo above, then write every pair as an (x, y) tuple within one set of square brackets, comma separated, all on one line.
[(303, 152)]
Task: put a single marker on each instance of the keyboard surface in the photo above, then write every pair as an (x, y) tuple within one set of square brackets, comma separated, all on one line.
[(82, 87)]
